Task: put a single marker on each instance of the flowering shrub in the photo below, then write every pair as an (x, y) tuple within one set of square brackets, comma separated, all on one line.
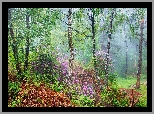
[(101, 62), (64, 68)]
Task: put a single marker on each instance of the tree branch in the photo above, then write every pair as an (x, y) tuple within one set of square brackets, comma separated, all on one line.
[(74, 29)]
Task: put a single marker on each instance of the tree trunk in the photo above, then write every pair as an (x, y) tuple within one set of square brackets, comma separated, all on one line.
[(140, 56), (27, 43), (135, 62), (70, 41), (108, 50), (126, 59), (94, 46), (14, 45), (126, 52), (93, 38)]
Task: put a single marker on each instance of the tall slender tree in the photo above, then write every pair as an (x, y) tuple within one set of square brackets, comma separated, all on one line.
[(70, 40), (140, 54), (126, 52), (14, 43), (108, 48), (139, 13), (27, 41)]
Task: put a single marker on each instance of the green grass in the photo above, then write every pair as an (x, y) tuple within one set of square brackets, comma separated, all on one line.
[(126, 82)]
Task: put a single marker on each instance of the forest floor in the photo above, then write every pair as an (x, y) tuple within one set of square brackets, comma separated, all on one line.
[(33, 94)]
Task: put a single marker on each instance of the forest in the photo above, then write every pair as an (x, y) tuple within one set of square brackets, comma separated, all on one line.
[(77, 57)]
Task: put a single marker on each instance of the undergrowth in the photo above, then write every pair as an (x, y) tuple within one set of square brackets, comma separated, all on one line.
[(40, 81)]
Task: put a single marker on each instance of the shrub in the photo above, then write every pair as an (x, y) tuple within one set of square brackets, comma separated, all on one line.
[(13, 89), (84, 101), (46, 66), (101, 63), (111, 97)]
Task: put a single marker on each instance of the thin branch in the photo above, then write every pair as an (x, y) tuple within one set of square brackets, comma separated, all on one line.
[(89, 16), (74, 29)]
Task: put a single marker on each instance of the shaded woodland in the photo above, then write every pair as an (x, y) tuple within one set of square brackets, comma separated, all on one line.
[(77, 57)]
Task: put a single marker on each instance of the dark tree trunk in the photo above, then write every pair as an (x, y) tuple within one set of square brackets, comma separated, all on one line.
[(27, 43), (14, 44), (70, 40), (92, 18), (95, 77), (126, 59), (108, 50), (126, 52), (93, 38), (140, 56)]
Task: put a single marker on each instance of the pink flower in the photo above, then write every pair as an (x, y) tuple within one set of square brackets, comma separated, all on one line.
[(76, 81), (84, 88), (92, 92), (64, 72)]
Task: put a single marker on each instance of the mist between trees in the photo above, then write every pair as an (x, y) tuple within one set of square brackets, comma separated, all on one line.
[(70, 41)]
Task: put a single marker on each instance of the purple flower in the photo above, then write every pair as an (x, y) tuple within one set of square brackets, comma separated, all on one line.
[(63, 64), (56, 67), (92, 92), (84, 88), (58, 79), (85, 94), (50, 82), (77, 81), (90, 89), (64, 72), (65, 56)]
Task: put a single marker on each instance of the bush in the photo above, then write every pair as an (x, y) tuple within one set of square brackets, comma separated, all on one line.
[(13, 89), (113, 98), (84, 101), (46, 66), (101, 63)]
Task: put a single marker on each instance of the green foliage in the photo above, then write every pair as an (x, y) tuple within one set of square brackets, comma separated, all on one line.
[(112, 80), (84, 101), (90, 64), (119, 19), (127, 82), (132, 30), (15, 103), (143, 99), (56, 86), (113, 98), (142, 102), (13, 89)]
